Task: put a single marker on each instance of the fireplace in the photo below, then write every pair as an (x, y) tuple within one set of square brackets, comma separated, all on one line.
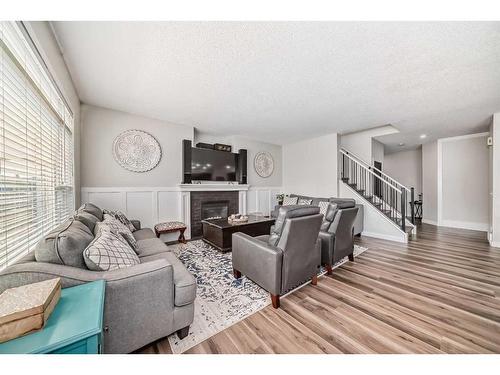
[(211, 204), (214, 210)]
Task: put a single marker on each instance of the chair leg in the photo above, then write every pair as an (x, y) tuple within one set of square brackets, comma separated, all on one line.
[(275, 299), (314, 280), (236, 273), (351, 257), (183, 332), (329, 269)]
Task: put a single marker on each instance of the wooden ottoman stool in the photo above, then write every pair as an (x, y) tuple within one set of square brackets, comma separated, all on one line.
[(169, 227)]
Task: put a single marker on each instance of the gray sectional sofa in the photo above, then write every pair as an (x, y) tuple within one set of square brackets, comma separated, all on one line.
[(341, 203), (143, 303)]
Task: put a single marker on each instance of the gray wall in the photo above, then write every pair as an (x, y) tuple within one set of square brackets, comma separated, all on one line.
[(405, 167), (253, 147), (429, 182), (310, 167), (377, 153), (361, 143), (464, 181), (43, 37), (100, 126)]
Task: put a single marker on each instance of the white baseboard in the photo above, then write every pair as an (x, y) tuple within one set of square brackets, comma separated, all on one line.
[(402, 239), (484, 227), (494, 243), (431, 222)]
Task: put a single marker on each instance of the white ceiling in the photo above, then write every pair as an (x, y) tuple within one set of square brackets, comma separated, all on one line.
[(283, 81)]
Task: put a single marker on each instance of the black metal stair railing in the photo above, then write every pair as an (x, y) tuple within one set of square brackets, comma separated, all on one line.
[(383, 192)]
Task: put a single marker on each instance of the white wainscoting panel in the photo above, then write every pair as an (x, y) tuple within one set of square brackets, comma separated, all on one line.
[(109, 199), (262, 199), (142, 205), (152, 205)]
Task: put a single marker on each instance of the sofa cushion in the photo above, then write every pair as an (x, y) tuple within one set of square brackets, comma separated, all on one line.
[(150, 246), (88, 219), (91, 209), (109, 251), (65, 244), (144, 233), (184, 282)]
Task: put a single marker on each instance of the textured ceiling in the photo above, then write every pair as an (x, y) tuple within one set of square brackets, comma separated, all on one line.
[(283, 81)]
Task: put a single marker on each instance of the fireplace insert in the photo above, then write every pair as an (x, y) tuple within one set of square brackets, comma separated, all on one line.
[(214, 210)]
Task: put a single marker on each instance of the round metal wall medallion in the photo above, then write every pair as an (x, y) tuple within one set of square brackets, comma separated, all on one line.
[(136, 151), (263, 164)]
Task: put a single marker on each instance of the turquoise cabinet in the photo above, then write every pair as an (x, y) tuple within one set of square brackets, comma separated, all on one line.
[(74, 327)]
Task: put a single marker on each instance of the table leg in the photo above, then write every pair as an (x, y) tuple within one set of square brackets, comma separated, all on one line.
[(181, 236)]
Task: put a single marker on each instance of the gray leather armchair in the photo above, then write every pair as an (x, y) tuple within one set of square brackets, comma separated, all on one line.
[(287, 257), (337, 235), (341, 202)]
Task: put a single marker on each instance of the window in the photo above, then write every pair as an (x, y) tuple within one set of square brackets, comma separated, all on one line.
[(36, 147)]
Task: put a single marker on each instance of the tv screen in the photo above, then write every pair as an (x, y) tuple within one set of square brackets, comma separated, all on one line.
[(212, 165)]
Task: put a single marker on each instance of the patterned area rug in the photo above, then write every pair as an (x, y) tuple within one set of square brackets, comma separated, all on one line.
[(221, 301)]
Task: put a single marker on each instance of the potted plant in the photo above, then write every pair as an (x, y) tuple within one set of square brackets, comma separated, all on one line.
[(280, 198)]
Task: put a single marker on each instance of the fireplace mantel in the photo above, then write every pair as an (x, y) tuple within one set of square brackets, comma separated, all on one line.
[(213, 187)]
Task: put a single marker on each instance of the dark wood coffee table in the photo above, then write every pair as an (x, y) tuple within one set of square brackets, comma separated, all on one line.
[(218, 232)]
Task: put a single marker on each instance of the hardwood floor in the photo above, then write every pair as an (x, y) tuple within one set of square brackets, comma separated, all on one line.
[(438, 293)]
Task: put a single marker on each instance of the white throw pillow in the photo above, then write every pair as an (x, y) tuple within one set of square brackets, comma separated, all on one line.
[(118, 227), (304, 202), (290, 201), (323, 206), (109, 251), (125, 221)]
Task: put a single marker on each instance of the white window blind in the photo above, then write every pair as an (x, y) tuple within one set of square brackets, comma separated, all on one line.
[(36, 148)]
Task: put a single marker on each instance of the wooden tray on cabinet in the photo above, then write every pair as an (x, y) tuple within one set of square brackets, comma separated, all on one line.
[(26, 308)]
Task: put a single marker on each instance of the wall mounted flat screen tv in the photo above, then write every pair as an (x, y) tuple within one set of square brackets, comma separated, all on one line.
[(212, 165)]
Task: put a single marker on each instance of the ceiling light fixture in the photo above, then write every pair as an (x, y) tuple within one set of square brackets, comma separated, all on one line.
[(422, 136), (401, 144)]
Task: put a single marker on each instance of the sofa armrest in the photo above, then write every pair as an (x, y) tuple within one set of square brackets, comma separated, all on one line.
[(136, 224), (258, 260)]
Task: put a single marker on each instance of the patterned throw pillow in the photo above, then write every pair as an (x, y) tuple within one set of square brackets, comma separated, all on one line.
[(289, 201), (121, 216), (305, 202), (323, 206), (109, 251), (118, 227)]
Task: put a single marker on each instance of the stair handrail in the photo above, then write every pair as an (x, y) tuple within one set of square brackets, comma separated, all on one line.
[(363, 165), (347, 152)]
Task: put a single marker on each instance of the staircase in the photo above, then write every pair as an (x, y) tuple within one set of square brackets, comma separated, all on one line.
[(388, 196)]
